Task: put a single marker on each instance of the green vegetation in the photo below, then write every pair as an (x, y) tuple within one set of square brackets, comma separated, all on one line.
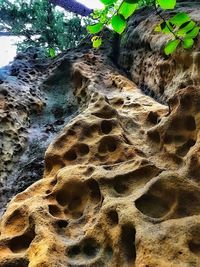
[(44, 26), (182, 29), (41, 25)]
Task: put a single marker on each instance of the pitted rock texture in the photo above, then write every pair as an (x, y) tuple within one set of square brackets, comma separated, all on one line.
[(121, 180), (30, 116), (16, 103), (142, 57), (120, 186)]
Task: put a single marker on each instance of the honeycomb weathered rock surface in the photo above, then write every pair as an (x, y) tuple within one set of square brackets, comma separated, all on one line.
[(121, 182)]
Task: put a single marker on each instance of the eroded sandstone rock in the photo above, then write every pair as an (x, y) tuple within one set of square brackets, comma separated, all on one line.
[(33, 108), (113, 193), (121, 182), (142, 56)]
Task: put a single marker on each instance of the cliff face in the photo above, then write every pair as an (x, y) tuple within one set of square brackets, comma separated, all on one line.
[(33, 108), (121, 180)]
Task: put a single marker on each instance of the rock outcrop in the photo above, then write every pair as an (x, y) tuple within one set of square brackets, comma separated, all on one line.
[(121, 180), (142, 56), (32, 112)]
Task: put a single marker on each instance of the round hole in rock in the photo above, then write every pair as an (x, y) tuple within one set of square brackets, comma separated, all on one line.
[(21, 243), (75, 202), (54, 210), (70, 155), (113, 217), (105, 112), (102, 149), (74, 251), (186, 101), (71, 132), (62, 197), (108, 168), (89, 171), (128, 242), (106, 126), (190, 123), (154, 136), (177, 123), (112, 147), (152, 117), (154, 206), (90, 247), (62, 224), (183, 150), (84, 149), (120, 188), (107, 144), (17, 217), (54, 181), (194, 247), (119, 102), (93, 186), (168, 139)]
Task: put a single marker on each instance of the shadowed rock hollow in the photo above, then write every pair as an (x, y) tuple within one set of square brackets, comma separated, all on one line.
[(121, 180)]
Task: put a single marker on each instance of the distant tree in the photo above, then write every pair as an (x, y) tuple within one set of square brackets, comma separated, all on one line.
[(41, 25)]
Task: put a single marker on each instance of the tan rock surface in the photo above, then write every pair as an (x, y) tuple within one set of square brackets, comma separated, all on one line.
[(142, 56), (121, 183), (112, 187)]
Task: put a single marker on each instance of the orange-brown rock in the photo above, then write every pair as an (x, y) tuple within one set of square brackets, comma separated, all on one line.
[(121, 182)]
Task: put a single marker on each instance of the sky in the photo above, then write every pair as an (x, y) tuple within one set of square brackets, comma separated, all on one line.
[(8, 49), (92, 3)]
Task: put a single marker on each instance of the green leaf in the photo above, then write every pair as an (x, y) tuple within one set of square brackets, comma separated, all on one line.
[(167, 4), (95, 28), (127, 9), (171, 46), (158, 28), (96, 41), (108, 2), (180, 19), (188, 27), (52, 52), (193, 33), (132, 1), (164, 27), (118, 23), (188, 43)]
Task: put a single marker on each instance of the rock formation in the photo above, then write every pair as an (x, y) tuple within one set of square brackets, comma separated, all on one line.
[(121, 180), (30, 116)]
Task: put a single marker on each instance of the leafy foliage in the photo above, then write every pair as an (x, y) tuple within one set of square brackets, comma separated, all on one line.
[(96, 41), (183, 30), (181, 27), (41, 25)]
